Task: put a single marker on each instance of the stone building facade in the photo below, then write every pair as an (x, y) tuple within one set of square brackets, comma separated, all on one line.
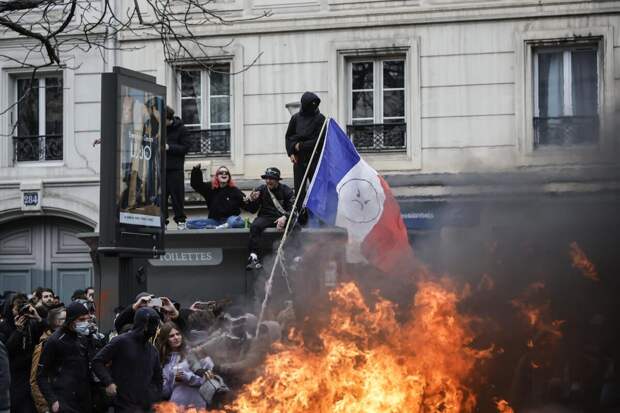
[(463, 105)]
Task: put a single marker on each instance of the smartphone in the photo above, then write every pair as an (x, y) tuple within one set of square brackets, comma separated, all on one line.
[(201, 305), (155, 302)]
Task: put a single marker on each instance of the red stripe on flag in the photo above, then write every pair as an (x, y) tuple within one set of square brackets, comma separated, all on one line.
[(387, 245)]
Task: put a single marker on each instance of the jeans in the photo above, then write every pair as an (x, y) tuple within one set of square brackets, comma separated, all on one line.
[(234, 221)]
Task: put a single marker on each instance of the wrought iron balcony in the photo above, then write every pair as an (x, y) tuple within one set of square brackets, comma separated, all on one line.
[(37, 148), (566, 130), (209, 142), (382, 137)]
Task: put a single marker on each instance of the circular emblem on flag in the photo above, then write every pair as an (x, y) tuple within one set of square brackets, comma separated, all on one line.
[(359, 201)]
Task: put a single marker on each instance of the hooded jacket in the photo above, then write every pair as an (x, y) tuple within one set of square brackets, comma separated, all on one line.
[(64, 367), (178, 142), (134, 364), (304, 128), (5, 379), (20, 345)]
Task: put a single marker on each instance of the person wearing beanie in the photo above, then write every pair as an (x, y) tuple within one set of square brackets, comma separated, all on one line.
[(64, 368), (129, 367)]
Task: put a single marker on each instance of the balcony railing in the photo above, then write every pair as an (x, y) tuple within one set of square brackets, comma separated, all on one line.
[(37, 148), (209, 142), (566, 130), (383, 137)]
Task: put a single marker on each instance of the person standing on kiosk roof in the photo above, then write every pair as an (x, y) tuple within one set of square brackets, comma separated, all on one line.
[(304, 129)]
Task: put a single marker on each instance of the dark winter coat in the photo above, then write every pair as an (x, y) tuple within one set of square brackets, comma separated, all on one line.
[(20, 345), (265, 206), (304, 128), (135, 367), (177, 138), (222, 202), (64, 371), (5, 379)]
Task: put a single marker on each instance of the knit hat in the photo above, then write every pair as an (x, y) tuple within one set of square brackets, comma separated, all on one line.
[(75, 310)]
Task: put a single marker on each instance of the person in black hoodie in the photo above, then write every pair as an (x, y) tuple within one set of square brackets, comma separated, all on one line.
[(274, 203), (5, 380), (222, 196), (20, 330), (301, 138), (177, 145), (64, 367), (134, 378)]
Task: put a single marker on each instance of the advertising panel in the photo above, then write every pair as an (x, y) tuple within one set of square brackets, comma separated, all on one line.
[(133, 130), (142, 121)]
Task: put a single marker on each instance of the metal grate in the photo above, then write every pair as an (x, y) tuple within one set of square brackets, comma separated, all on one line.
[(566, 130), (209, 142), (37, 148), (383, 137)]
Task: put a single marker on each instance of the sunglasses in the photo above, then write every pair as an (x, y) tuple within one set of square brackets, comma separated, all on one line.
[(224, 173)]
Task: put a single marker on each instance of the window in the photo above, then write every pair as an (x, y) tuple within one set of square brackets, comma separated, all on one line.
[(377, 104), (566, 95), (206, 109), (39, 119)]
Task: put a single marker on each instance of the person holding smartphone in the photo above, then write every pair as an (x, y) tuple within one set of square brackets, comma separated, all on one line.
[(20, 331), (163, 305)]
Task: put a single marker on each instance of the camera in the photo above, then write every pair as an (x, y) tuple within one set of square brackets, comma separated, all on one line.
[(25, 309)]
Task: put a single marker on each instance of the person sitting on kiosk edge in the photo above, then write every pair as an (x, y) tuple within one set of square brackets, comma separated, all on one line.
[(274, 203), (222, 196)]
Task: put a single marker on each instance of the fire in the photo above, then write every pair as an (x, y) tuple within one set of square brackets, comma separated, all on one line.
[(504, 407), (582, 263), (370, 362), (169, 407)]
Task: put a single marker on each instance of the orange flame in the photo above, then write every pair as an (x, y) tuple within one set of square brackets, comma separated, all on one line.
[(372, 363), (169, 407), (582, 263), (503, 407)]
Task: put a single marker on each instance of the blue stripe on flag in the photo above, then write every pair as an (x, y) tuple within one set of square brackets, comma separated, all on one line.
[(338, 157)]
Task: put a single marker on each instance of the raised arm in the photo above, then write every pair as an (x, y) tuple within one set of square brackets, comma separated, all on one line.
[(197, 182)]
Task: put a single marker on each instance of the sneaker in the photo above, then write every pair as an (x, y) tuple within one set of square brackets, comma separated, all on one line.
[(181, 226), (253, 263), (223, 226), (296, 263)]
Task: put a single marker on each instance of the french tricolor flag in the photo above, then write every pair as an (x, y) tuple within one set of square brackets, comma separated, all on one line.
[(347, 192)]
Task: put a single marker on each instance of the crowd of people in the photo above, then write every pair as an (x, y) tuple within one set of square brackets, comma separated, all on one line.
[(54, 358)]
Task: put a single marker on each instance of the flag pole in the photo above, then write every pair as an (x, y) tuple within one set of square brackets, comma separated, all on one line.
[(269, 282)]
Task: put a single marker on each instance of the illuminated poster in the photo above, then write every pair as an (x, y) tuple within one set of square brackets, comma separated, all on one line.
[(139, 191)]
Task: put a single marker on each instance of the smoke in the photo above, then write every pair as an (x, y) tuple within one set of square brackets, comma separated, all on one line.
[(551, 329)]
